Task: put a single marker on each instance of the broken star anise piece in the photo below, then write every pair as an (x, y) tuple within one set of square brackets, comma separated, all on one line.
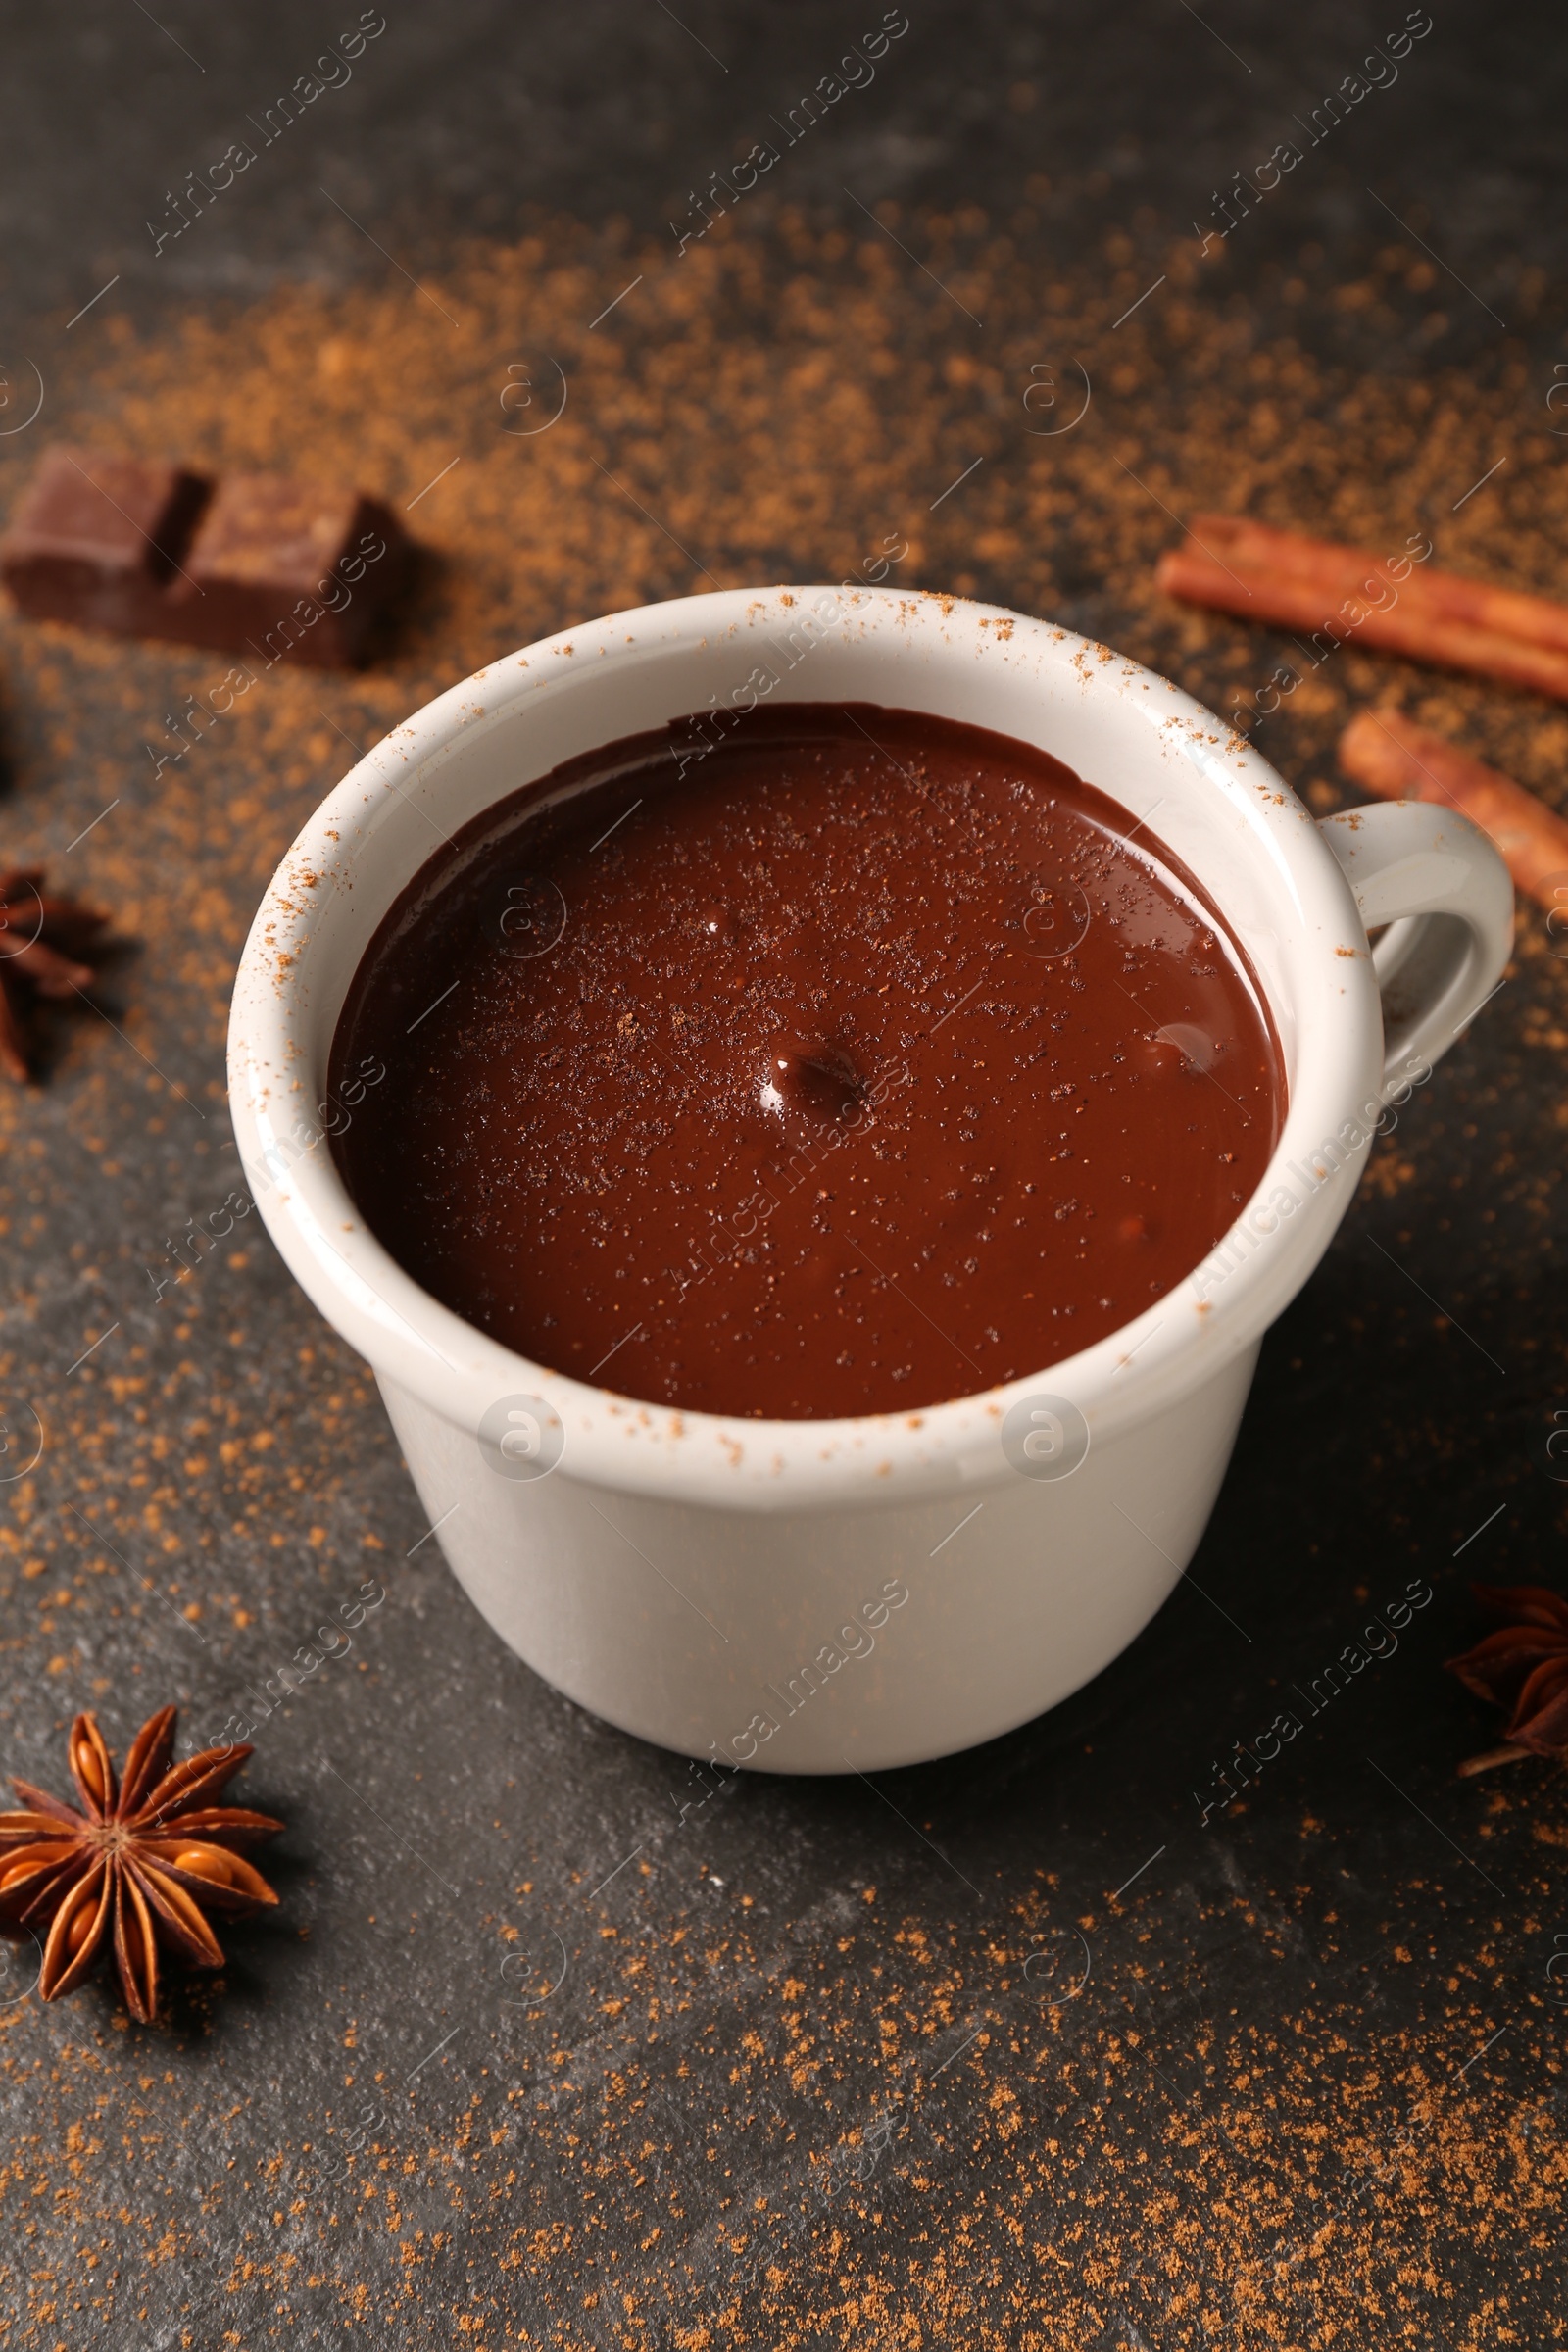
[(136, 1865), (1524, 1667), (42, 940)]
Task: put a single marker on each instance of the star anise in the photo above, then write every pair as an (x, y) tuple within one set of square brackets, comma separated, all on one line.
[(41, 943), (1522, 1666), (134, 1866)]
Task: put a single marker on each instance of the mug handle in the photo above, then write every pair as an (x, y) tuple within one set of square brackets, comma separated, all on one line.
[(1438, 883)]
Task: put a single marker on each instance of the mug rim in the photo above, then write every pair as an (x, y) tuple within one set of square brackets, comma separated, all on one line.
[(618, 1441)]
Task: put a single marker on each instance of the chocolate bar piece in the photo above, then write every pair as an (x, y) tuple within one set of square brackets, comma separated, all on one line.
[(258, 564), (96, 538), (280, 567)]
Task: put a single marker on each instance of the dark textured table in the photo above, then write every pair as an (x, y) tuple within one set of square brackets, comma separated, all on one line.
[(1098, 2036)]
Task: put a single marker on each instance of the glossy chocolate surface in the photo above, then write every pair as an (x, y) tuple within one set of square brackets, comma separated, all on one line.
[(862, 1064)]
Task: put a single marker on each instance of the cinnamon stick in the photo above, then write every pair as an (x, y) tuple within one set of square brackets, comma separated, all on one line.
[(1250, 547), (1343, 571), (1510, 1753), (1393, 758), (1328, 591)]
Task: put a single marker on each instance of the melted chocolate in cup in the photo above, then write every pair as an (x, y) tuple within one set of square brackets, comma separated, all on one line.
[(860, 1064)]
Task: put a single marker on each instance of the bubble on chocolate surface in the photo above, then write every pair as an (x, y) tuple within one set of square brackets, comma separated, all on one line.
[(816, 1079)]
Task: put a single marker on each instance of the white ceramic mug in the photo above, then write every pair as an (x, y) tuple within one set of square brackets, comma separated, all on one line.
[(815, 1595)]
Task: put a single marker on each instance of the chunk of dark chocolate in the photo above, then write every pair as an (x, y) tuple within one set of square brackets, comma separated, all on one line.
[(280, 567), (96, 538), (259, 565)]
